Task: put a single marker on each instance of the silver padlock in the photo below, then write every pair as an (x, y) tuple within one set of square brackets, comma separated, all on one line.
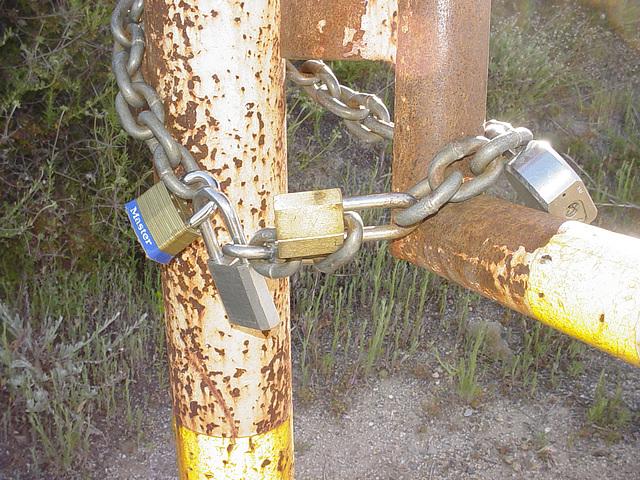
[(243, 291), (545, 181)]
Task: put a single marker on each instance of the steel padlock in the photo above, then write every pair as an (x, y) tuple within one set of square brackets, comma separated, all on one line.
[(243, 291), (309, 224), (159, 220), (545, 181)]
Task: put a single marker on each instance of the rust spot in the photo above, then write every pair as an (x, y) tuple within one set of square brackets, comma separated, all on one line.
[(540, 295), (601, 318), (239, 372), (225, 184), (265, 463)]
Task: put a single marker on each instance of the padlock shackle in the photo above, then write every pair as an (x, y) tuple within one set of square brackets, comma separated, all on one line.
[(211, 241), (201, 210), (229, 214)]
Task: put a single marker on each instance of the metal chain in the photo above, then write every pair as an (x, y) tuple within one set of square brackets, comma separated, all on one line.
[(142, 114), (136, 95), (364, 114)]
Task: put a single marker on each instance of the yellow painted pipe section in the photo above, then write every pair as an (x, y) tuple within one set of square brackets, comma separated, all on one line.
[(586, 283), (258, 457)]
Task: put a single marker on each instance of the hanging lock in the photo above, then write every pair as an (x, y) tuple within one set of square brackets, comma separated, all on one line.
[(243, 291), (159, 219), (309, 224), (545, 181)]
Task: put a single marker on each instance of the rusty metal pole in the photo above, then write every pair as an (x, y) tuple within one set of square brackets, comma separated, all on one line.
[(441, 84), (217, 65)]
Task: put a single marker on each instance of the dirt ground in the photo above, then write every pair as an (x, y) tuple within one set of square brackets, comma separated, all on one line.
[(411, 426)]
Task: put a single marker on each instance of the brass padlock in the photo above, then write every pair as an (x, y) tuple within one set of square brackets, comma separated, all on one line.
[(309, 224), (158, 218), (545, 181)]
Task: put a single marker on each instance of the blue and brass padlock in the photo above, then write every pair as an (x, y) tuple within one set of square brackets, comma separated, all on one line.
[(158, 218)]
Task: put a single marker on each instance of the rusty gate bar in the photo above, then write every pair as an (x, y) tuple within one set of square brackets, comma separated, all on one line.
[(579, 279), (339, 29), (218, 67)]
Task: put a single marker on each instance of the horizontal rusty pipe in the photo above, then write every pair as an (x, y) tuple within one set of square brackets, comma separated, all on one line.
[(339, 30), (579, 279), (484, 244)]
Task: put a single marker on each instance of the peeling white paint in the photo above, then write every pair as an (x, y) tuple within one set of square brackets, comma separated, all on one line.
[(379, 25)]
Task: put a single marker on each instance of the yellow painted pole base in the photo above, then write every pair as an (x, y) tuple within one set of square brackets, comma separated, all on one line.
[(267, 456)]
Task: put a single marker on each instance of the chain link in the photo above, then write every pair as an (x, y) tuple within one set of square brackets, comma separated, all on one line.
[(364, 114), (142, 114)]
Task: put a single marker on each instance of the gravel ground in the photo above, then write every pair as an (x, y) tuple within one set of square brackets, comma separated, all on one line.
[(406, 426)]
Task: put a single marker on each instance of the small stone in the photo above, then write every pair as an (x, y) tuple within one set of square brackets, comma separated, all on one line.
[(470, 471), (468, 412), (435, 375), (517, 467), (508, 459), (128, 447), (599, 453)]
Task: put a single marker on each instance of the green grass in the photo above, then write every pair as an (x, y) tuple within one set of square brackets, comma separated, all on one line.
[(81, 319), (71, 356), (78, 308), (608, 412)]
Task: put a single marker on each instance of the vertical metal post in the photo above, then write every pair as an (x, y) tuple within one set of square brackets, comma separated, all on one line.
[(218, 67), (441, 84), (441, 89)]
